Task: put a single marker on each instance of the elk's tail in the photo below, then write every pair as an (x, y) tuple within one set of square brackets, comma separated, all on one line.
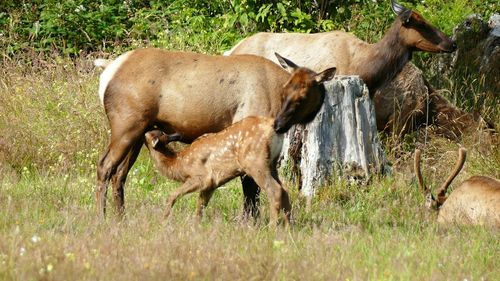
[(101, 62)]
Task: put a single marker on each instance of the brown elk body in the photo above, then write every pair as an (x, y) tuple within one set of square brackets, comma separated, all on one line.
[(475, 201), (188, 93), (250, 146), (409, 101), (375, 63)]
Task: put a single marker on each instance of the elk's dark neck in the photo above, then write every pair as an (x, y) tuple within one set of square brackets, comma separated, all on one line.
[(389, 56), (168, 163)]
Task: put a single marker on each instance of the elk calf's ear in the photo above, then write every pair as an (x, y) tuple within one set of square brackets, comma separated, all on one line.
[(286, 63), (155, 142), (326, 75)]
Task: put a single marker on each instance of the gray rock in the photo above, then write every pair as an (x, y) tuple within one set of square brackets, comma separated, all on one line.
[(478, 50)]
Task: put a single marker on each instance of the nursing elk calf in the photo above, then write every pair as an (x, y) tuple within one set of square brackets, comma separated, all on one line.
[(250, 146), (188, 93), (475, 201)]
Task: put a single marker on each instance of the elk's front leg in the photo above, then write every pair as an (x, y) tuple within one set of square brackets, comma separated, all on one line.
[(251, 193)]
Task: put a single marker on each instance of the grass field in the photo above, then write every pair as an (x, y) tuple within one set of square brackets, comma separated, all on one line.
[(53, 129)]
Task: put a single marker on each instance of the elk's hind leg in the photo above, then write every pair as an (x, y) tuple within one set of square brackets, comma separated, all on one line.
[(123, 138), (118, 180)]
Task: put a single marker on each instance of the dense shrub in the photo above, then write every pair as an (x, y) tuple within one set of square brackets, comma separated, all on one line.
[(71, 27), (75, 26)]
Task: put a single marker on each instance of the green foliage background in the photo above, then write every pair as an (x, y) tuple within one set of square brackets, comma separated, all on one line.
[(75, 26)]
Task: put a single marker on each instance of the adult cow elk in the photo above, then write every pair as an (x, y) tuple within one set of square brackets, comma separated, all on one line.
[(191, 94), (476, 201), (375, 63)]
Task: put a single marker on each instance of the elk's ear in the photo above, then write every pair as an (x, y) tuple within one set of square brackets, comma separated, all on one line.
[(326, 75), (174, 137), (155, 142), (405, 16), (286, 63), (430, 201), (398, 8)]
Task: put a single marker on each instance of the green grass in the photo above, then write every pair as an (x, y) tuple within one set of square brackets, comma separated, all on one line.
[(48, 231), (53, 130)]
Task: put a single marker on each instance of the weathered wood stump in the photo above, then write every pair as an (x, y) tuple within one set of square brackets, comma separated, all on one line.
[(341, 142)]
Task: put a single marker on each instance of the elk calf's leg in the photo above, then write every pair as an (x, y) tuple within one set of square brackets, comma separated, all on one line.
[(203, 200), (273, 189), (191, 185), (286, 206)]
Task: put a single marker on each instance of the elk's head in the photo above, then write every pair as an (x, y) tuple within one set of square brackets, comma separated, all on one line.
[(302, 95), (158, 140), (419, 34)]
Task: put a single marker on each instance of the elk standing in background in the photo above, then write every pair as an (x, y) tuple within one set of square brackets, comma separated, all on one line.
[(375, 63), (475, 201), (400, 99)]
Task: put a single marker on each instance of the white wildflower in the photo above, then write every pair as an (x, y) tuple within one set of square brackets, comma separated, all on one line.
[(35, 239), (80, 8)]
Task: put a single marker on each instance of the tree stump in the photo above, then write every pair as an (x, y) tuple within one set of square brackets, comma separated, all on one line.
[(341, 142)]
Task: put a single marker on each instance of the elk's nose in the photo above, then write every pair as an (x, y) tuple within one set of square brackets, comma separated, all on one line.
[(279, 127)]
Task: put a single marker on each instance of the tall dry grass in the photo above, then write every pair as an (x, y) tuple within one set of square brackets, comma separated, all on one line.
[(53, 130), (51, 116), (48, 232)]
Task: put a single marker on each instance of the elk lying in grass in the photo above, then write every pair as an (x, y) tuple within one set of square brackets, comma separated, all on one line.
[(191, 94), (375, 63), (409, 102), (475, 201), (250, 146)]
